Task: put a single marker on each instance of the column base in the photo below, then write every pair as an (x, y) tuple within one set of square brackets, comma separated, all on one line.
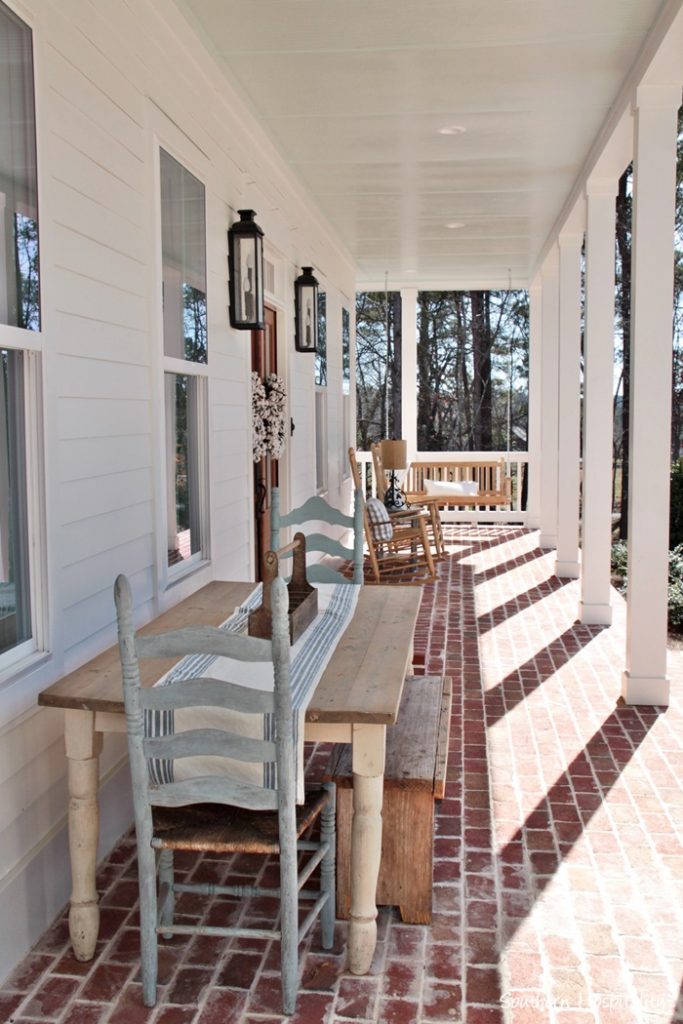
[(595, 614), (568, 570), (645, 689), (547, 541)]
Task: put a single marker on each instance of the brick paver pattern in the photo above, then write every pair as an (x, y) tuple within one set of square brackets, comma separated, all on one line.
[(558, 875)]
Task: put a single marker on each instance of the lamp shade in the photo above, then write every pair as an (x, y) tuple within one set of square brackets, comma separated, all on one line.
[(306, 311), (394, 454), (245, 267)]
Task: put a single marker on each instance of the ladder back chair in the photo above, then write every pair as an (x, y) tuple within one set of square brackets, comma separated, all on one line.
[(428, 504), (215, 812), (397, 552), (317, 510)]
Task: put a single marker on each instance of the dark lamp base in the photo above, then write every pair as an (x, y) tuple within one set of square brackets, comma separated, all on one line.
[(394, 498)]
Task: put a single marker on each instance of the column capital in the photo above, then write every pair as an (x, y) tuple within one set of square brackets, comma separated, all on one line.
[(657, 96), (568, 240), (551, 261), (575, 224), (601, 186)]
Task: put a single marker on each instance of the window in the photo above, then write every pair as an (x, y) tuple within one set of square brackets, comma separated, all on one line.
[(183, 248), (15, 596), (321, 354), (346, 391), (321, 397), (19, 268), (20, 346)]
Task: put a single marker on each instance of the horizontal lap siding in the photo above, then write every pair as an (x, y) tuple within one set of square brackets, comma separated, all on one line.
[(103, 72)]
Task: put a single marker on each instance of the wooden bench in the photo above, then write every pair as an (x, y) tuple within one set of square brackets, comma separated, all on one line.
[(493, 486), (414, 776)]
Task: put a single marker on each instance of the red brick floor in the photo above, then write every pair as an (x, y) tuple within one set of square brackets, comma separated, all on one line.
[(558, 874)]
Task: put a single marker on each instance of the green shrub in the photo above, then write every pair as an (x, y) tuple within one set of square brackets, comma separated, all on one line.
[(675, 593), (619, 560), (676, 587), (676, 504)]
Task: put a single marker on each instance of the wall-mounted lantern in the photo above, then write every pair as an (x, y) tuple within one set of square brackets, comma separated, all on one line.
[(245, 266), (306, 310)]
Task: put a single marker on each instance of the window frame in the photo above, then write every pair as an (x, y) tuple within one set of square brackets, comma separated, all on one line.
[(346, 392), (164, 137), (320, 412), (31, 344)]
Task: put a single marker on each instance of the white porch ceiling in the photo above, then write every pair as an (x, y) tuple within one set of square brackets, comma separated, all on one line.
[(354, 94)]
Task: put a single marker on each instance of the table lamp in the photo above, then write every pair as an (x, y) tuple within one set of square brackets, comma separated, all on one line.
[(394, 458)]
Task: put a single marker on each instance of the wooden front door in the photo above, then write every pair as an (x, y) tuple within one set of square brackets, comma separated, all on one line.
[(263, 362)]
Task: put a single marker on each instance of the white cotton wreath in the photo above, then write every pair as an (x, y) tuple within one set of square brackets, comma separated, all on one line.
[(275, 426), (268, 401)]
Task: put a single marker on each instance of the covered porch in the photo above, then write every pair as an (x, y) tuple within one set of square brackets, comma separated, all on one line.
[(558, 881)]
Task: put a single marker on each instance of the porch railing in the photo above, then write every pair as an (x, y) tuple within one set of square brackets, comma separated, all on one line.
[(516, 461)]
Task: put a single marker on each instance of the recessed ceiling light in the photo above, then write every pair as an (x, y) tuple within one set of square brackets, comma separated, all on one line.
[(454, 224), (411, 271), (452, 129)]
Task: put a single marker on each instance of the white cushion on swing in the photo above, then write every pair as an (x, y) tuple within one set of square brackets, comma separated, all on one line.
[(465, 488)]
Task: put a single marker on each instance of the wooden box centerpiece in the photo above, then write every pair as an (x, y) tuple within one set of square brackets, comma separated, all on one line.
[(303, 598)]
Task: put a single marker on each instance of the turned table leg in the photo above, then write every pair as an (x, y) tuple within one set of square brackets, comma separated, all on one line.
[(366, 842), (83, 746)]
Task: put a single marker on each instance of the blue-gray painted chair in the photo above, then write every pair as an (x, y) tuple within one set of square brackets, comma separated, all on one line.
[(318, 510), (213, 812)]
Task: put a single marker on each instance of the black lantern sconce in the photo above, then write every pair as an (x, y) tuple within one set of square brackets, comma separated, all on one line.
[(245, 267), (306, 309)]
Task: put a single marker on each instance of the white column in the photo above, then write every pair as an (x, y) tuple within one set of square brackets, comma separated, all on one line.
[(549, 407), (645, 680), (569, 442), (596, 536), (409, 369), (533, 501)]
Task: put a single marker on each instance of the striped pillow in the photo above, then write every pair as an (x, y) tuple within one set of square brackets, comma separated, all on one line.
[(378, 517)]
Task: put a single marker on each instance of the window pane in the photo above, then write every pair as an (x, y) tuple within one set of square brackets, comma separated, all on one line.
[(183, 459), (321, 439), (15, 603), (183, 248), (19, 269), (321, 354), (346, 351)]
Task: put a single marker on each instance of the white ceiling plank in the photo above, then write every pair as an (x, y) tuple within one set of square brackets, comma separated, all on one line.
[(354, 92)]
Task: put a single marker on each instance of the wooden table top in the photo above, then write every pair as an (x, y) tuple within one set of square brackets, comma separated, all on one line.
[(362, 682)]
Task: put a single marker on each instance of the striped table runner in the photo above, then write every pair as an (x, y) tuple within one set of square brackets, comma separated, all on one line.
[(309, 658)]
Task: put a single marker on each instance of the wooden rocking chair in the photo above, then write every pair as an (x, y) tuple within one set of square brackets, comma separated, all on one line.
[(399, 552), (417, 502)]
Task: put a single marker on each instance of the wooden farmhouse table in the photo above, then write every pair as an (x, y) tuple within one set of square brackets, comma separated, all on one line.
[(357, 697)]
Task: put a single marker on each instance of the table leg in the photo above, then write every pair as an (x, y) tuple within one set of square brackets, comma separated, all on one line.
[(366, 842), (83, 746)]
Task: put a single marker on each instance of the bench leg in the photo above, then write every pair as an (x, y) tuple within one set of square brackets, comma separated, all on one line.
[(406, 874)]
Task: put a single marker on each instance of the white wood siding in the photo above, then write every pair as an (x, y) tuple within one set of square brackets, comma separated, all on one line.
[(113, 79)]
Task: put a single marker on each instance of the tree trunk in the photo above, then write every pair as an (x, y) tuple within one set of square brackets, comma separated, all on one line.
[(468, 440), (623, 236), (395, 423), (481, 383)]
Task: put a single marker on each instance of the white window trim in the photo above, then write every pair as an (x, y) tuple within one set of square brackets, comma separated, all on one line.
[(201, 557), (321, 439), (165, 135), (22, 655)]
